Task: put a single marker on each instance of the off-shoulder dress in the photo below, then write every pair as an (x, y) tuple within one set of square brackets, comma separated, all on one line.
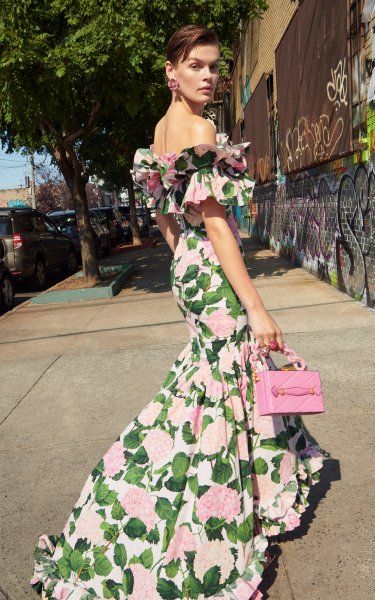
[(183, 502)]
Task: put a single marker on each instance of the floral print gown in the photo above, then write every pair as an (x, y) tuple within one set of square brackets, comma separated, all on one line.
[(182, 503)]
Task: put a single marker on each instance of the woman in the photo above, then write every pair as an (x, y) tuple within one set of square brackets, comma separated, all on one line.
[(182, 503)]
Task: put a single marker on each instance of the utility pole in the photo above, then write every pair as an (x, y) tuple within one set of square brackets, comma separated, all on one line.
[(32, 165)]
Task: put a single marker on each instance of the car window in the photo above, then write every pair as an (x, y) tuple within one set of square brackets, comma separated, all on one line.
[(5, 226), (24, 224), (49, 225)]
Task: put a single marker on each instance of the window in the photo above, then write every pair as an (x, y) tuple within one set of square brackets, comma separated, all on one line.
[(357, 54), (5, 226), (24, 224), (49, 226)]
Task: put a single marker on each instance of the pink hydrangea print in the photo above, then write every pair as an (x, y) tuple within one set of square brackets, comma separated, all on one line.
[(114, 459), (62, 591), (182, 541), (220, 323), (88, 526), (158, 445), (195, 416), (291, 520), (192, 257), (138, 504), (244, 589), (219, 501), (243, 445), (213, 553), (215, 436), (144, 586), (148, 415), (286, 467), (177, 413)]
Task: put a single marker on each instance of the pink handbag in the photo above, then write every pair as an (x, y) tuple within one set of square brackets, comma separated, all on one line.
[(286, 392)]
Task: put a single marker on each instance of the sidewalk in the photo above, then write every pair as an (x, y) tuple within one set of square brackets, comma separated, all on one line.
[(72, 376)]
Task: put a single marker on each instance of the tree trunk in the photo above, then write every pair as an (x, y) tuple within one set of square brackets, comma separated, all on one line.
[(133, 211), (72, 172)]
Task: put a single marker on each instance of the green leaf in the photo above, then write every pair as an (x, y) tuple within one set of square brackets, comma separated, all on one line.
[(64, 567), (222, 472), (171, 569), (175, 484), (211, 581), (147, 558), (168, 589), (275, 476), (193, 484), (191, 273), (132, 440), (102, 565), (127, 582), (117, 512), (120, 556), (76, 560), (191, 243), (135, 528), (231, 529), (180, 465), (67, 550), (260, 466), (245, 529), (187, 434), (140, 457), (134, 475), (164, 508), (153, 536)]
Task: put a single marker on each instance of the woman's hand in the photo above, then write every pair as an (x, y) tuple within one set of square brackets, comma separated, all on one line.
[(264, 327)]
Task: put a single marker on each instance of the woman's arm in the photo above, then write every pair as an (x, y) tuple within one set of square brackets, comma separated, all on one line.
[(227, 250), (169, 228)]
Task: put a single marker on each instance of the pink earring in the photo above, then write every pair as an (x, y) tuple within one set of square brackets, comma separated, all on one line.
[(173, 84)]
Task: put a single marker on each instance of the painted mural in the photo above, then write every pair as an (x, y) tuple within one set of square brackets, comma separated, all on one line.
[(325, 222)]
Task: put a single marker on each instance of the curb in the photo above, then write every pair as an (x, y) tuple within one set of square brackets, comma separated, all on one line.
[(105, 291)]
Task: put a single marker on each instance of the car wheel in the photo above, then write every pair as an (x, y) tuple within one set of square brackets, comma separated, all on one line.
[(70, 266), (39, 277), (6, 293)]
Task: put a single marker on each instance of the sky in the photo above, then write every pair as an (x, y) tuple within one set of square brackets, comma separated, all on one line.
[(13, 168)]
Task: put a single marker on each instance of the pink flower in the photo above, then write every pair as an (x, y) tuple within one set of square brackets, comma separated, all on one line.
[(61, 591), (227, 358), (195, 416), (196, 191), (220, 323), (182, 541), (266, 425), (88, 526), (236, 404), (191, 257), (213, 553), (264, 488), (243, 446), (219, 501), (144, 584), (114, 459), (286, 467), (209, 252), (215, 436), (291, 521), (148, 415), (154, 185), (45, 543), (246, 589), (177, 413), (158, 445), (138, 504), (217, 185)]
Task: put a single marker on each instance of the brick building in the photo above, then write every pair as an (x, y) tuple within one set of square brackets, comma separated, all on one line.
[(303, 92)]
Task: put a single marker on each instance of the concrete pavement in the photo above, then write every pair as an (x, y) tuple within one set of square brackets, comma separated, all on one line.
[(72, 376)]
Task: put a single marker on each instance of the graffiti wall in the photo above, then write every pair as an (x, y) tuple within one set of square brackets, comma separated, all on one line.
[(324, 220)]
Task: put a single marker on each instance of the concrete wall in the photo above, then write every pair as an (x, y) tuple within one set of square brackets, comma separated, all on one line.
[(15, 194)]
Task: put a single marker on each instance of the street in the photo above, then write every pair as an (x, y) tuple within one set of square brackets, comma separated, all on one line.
[(73, 376)]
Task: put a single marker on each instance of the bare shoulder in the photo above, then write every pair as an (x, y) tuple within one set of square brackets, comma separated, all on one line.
[(202, 131), (159, 127)]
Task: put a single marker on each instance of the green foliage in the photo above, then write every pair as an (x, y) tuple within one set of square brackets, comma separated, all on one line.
[(59, 59)]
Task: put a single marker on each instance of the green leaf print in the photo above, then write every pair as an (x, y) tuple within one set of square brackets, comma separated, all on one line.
[(164, 508), (187, 434), (269, 444), (180, 465), (260, 466), (127, 581), (171, 569), (147, 558), (211, 581), (191, 243), (135, 528), (140, 457), (282, 440), (191, 273), (231, 529), (63, 566), (197, 306), (245, 529), (193, 484), (120, 557), (301, 443), (154, 536), (87, 572), (67, 550), (207, 419), (213, 528), (102, 565), (176, 484), (134, 475), (168, 589), (117, 512), (275, 476), (76, 560), (192, 587), (211, 297), (222, 471), (104, 496), (132, 440)]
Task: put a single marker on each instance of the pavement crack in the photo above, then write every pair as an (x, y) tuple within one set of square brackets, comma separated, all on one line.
[(29, 390)]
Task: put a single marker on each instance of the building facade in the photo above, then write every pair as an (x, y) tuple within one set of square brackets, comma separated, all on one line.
[(303, 94)]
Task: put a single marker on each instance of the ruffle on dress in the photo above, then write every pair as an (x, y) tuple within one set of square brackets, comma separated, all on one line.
[(173, 180)]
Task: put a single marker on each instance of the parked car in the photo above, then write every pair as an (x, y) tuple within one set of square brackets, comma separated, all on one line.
[(66, 221), (142, 221), (34, 245), (6, 283), (119, 230)]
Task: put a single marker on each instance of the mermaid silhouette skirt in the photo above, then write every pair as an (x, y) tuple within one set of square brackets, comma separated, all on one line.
[(182, 503)]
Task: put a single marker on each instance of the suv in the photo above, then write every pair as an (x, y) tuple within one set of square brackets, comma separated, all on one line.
[(119, 230), (33, 245), (66, 221), (141, 215)]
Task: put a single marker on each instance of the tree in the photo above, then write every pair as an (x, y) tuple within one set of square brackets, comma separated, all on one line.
[(70, 70)]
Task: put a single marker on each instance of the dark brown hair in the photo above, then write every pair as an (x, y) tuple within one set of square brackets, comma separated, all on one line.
[(186, 38)]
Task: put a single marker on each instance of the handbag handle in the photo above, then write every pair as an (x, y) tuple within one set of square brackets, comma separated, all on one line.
[(298, 362)]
